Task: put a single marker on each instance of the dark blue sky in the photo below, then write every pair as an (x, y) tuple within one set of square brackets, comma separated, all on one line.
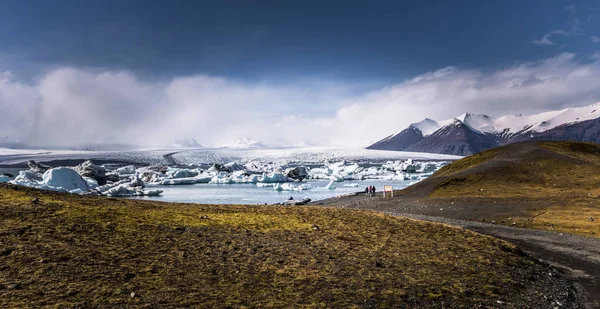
[(383, 41)]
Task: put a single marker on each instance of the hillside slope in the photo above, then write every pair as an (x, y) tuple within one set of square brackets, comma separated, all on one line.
[(546, 185), (75, 251)]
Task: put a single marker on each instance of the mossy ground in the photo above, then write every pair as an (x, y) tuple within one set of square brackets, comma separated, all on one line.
[(562, 178), (75, 251)]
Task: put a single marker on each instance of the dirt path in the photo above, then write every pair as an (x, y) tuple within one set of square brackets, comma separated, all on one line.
[(577, 257)]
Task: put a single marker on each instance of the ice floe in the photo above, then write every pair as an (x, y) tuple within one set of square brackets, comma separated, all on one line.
[(129, 180)]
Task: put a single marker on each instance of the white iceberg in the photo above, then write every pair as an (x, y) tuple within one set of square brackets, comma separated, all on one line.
[(66, 178), (126, 170), (330, 185)]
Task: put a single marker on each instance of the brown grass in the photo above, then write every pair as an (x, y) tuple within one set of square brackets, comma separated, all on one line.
[(564, 174), (73, 251)]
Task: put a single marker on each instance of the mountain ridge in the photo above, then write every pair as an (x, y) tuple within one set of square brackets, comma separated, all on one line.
[(471, 133)]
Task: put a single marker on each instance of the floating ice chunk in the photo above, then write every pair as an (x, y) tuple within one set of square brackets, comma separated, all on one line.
[(92, 183), (179, 181), (330, 185), (182, 173), (119, 191), (203, 178), (336, 178), (136, 182), (354, 185), (291, 187), (152, 192), (4, 179), (126, 170), (64, 177), (276, 176), (77, 191), (233, 166), (298, 172), (29, 176)]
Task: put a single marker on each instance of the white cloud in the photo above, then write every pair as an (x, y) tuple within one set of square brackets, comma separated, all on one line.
[(595, 39), (574, 30), (545, 40), (69, 105)]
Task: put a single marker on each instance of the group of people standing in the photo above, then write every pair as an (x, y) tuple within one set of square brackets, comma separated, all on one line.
[(370, 191)]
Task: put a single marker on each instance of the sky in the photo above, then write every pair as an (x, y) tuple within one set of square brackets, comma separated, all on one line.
[(287, 73)]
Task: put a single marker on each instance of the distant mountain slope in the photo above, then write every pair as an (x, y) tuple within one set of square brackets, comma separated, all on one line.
[(471, 133), (400, 140), (585, 131), (455, 138)]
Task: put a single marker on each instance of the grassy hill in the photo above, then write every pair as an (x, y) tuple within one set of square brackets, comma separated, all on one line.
[(548, 185), (75, 251)]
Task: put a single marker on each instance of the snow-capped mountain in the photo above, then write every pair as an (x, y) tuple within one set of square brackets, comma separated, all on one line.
[(187, 143), (245, 142), (472, 133)]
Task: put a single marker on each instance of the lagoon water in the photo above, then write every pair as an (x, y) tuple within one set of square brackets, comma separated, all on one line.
[(251, 194)]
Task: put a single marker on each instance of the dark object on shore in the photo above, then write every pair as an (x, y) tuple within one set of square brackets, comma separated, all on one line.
[(37, 167), (292, 202), (291, 198), (35, 200)]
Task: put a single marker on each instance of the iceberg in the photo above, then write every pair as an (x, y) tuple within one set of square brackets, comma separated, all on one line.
[(29, 176), (179, 181), (91, 170), (4, 179), (330, 185), (291, 187), (152, 192), (182, 173), (65, 178), (276, 176), (119, 191), (126, 170)]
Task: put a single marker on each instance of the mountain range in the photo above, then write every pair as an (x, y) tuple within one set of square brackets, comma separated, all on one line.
[(472, 133)]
